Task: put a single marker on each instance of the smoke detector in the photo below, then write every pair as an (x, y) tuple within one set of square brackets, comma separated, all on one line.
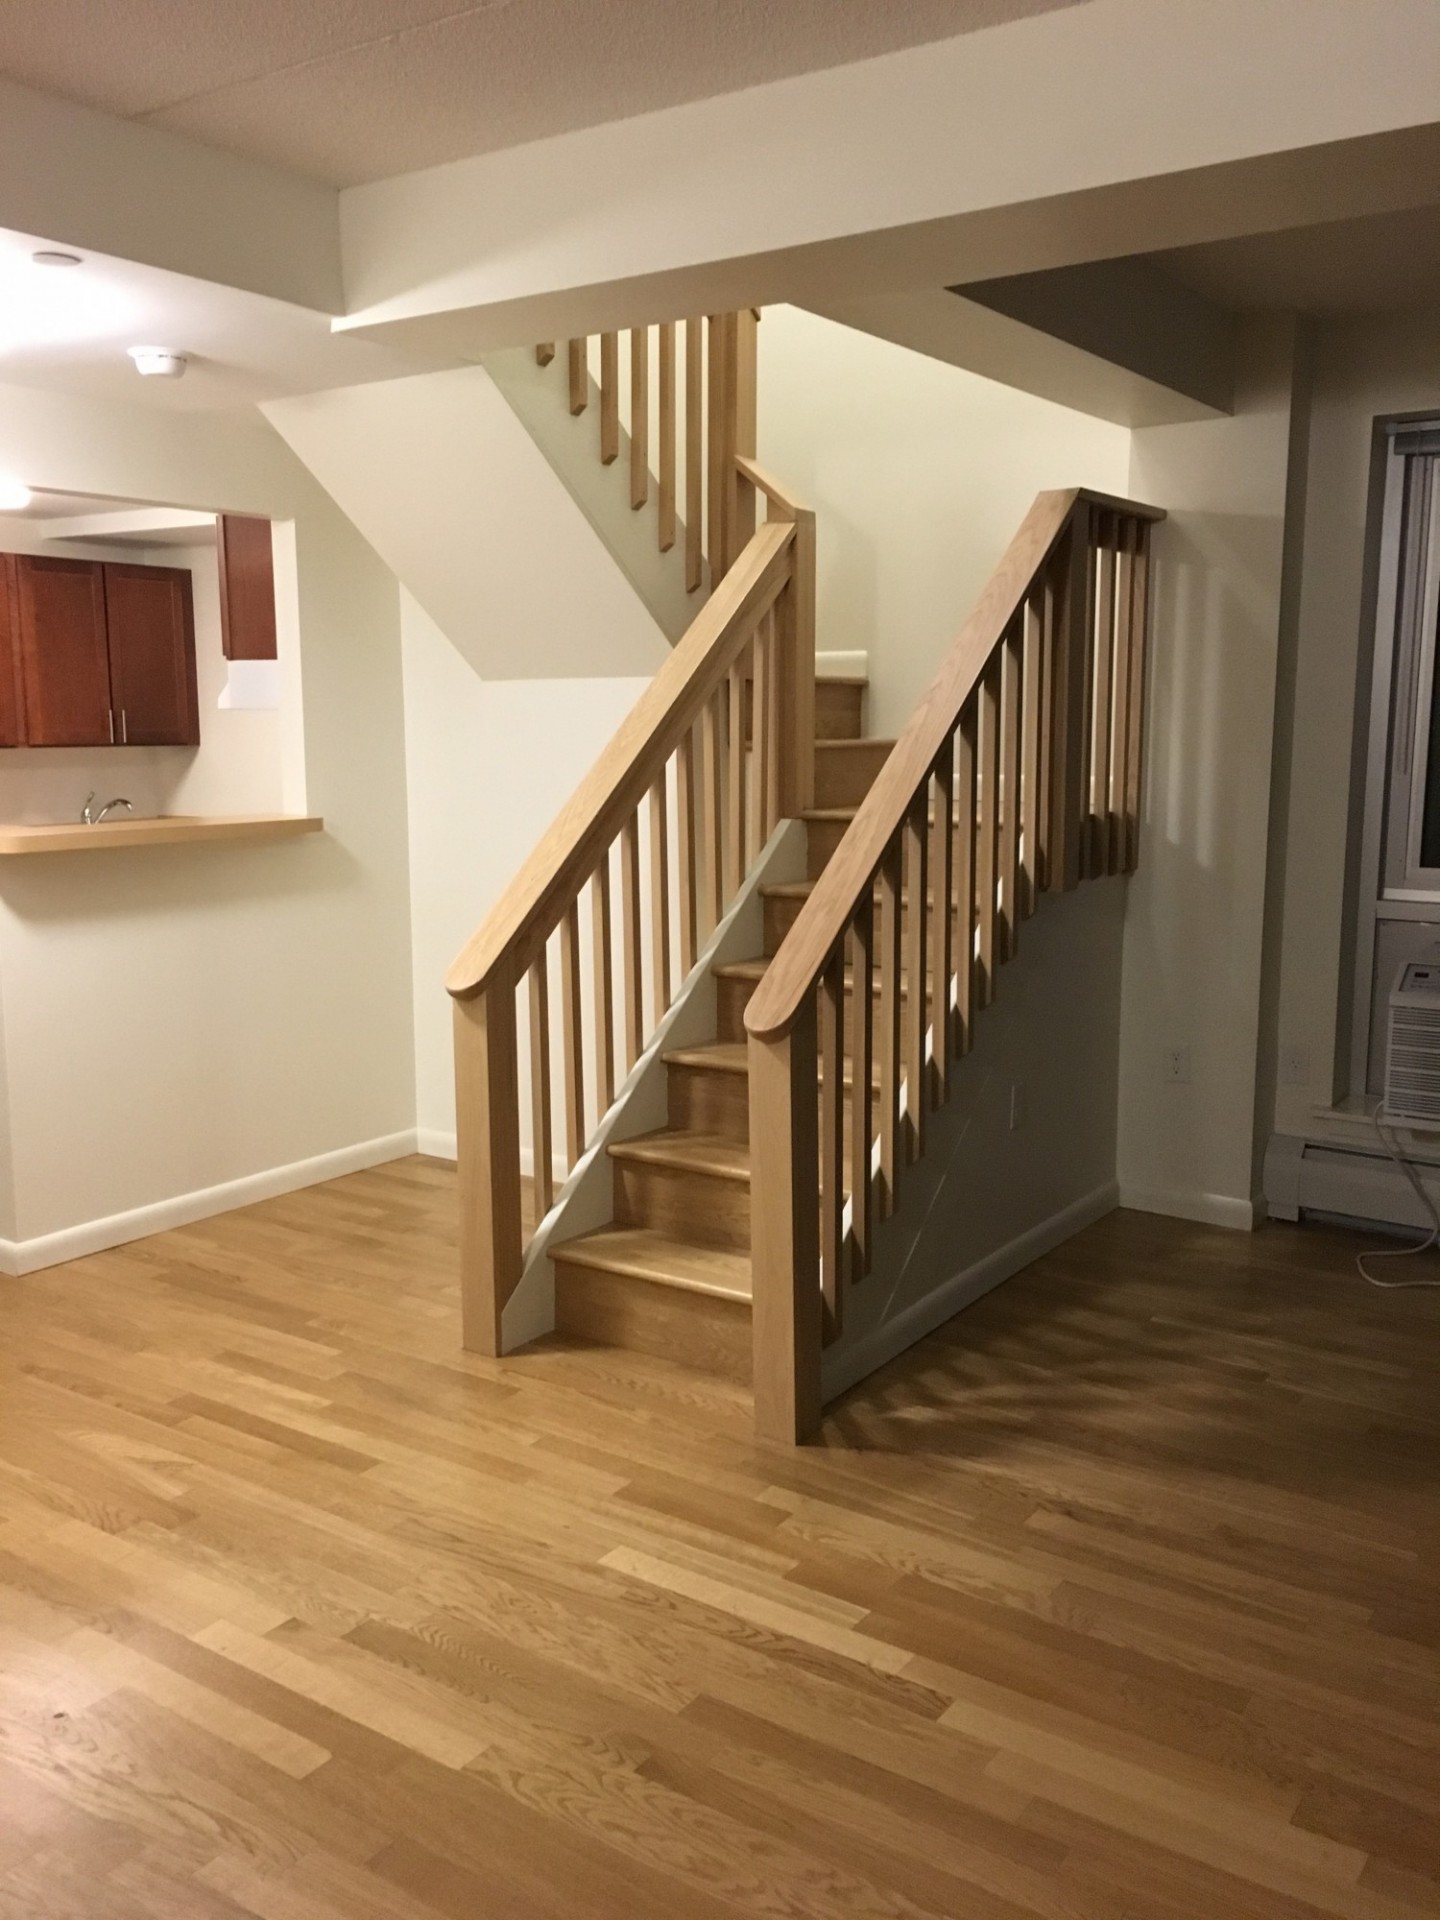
[(159, 363)]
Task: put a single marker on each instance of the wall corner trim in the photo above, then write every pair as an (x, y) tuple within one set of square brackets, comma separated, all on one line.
[(114, 1230), (892, 1337)]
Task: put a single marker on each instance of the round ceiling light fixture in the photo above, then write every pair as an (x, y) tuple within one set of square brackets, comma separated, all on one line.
[(53, 257), (15, 496), (159, 363)]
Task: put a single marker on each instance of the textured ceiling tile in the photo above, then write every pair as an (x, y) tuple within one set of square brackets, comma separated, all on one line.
[(356, 90), (132, 56)]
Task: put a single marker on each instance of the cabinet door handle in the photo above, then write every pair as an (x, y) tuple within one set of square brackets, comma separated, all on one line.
[(124, 730), (110, 717)]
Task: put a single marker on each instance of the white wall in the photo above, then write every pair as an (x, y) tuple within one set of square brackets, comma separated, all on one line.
[(181, 1018), (919, 473), (1195, 916), (491, 762), (439, 475)]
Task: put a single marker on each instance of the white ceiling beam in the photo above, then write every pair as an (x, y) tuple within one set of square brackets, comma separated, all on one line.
[(945, 326), (89, 180), (1110, 128)]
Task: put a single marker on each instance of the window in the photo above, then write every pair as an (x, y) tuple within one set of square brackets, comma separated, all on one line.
[(1398, 917), (1412, 822)]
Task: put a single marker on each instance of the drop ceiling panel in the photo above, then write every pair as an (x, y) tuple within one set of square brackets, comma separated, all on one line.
[(364, 88)]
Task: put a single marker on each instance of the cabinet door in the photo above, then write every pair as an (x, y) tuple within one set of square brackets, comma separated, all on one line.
[(151, 622), (247, 587), (64, 667), (11, 708)]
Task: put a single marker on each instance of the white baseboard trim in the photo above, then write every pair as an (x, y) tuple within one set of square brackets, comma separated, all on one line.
[(94, 1236), (845, 1366), (1208, 1209), (442, 1146)]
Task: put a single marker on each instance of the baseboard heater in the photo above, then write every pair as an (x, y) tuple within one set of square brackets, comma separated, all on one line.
[(1303, 1178)]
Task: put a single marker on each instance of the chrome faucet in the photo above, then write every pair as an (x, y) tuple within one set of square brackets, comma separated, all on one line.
[(92, 819)]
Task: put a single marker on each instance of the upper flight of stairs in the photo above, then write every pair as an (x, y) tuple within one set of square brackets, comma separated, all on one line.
[(672, 1276)]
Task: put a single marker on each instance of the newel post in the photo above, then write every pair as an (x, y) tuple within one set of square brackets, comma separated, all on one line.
[(785, 1231), (487, 1129)]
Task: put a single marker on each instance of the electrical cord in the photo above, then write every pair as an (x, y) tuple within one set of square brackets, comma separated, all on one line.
[(1402, 1253)]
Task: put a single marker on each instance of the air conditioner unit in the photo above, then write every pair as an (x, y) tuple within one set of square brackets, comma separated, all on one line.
[(1412, 1047)]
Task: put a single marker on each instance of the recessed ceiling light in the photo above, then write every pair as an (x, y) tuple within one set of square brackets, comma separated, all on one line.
[(15, 496), (51, 257), (159, 363)]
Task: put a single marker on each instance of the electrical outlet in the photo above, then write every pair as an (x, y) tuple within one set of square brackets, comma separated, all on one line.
[(1294, 1066), (1177, 1066), (1017, 1106)]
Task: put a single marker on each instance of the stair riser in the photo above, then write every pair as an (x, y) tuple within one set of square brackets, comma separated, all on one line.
[(822, 837), (731, 999), (703, 1101), (781, 913), (694, 1329), (845, 774), (733, 996), (839, 710), (683, 1204)]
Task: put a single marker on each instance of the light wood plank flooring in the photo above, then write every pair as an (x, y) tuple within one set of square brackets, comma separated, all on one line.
[(1116, 1600)]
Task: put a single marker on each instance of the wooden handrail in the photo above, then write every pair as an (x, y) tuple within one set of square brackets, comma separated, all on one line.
[(853, 868), (621, 777)]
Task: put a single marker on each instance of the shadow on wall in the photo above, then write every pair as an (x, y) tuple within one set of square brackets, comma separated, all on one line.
[(1195, 916)]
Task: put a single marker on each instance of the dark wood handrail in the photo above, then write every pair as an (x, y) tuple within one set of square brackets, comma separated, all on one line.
[(852, 869)]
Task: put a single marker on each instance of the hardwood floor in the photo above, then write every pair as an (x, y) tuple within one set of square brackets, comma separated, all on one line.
[(1115, 1600)]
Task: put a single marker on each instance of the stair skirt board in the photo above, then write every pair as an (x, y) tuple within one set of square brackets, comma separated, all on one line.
[(846, 1364), (184, 1209), (587, 1200)]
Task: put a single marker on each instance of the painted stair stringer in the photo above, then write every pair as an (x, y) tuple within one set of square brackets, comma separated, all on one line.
[(568, 443)]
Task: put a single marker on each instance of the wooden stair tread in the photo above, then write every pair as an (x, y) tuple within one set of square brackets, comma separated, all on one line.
[(717, 1056), (829, 814), (787, 889), (705, 1153), (743, 969), (639, 1253), (842, 680), (850, 746)]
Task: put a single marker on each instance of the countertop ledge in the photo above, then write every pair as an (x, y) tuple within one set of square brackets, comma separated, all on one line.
[(166, 830)]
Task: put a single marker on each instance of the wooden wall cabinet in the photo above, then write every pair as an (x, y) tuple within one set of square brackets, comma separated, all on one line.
[(103, 654), (11, 709), (247, 587)]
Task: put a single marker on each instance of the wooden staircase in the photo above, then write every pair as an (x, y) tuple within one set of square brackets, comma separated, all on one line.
[(672, 1276), (1018, 774)]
